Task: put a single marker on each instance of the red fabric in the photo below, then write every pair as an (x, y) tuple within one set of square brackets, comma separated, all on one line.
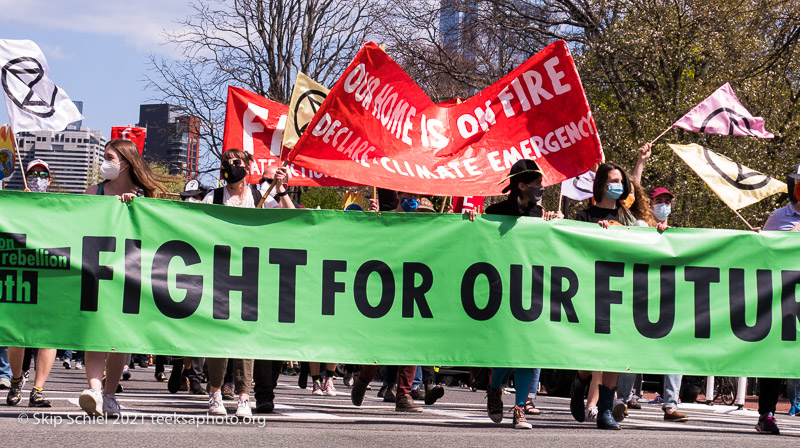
[(377, 127), (136, 135), (461, 204), (255, 124)]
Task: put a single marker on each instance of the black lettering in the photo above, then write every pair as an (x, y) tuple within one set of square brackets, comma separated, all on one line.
[(132, 289), (761, 328), (537, 293), (641, 300), (192, 284), (91, 270), (288, 260), (604, 297), (329, 284), (224, 283), (468, 291), (387, 289), (790, 307), (416, 294), (562, 298), (702, 278)]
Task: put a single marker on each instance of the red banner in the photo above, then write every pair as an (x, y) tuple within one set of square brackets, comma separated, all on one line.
[(377, 127), (136, 135), (462, 204), (255, 124)]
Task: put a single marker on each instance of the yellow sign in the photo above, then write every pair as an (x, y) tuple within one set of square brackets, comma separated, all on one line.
[(7, 154), (737, 185)]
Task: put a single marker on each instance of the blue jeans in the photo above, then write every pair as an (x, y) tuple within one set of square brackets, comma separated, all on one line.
[(5, 367), (793, 391), (417, 379), (76, 355), (534, 383), (672, 387)]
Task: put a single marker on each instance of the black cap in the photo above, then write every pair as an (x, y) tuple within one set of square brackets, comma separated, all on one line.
[(524, 170)]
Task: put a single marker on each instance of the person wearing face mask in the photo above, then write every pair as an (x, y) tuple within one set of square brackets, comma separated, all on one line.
[(236, 192), (125, 175), (661, 204), (193, 191), (524, 199), (38, 176)]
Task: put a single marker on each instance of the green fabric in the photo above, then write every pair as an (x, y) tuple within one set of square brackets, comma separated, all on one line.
[(420, 264)]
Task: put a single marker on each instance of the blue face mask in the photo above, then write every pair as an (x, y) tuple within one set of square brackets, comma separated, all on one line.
[(614, 191), (661, 211), (409, 204)]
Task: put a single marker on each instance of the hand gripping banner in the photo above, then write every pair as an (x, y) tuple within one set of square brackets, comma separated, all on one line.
[(255, 124), (377, 127), (264, 284)]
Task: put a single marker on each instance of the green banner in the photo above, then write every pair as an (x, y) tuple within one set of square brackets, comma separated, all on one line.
[(154, 276)]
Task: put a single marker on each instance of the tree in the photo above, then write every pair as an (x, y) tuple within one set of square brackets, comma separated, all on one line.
[(259, 45)]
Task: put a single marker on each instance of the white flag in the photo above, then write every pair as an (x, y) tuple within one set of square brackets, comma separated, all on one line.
[(33, 101), (579, 188)]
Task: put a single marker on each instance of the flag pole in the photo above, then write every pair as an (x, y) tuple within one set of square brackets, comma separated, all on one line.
[(661, 135), (744, 220), (19, 157), (444, 204), (271, 186), (560, 200)]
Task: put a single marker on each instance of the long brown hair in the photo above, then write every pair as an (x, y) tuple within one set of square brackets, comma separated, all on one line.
[(641, 206), (141, 174)]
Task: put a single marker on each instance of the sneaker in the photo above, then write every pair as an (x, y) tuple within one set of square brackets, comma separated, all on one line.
[(382, 391), (15, 391), (494, 404), (348, 379), (78, 365), (243, 408), (793, 411), (591, 414), (67, 365), (519, 418), (126, 373), (357, 392), (91, 401), (5, 383), (215, 406), (37, 399), (416, 394), (317, 390), (433, 393), (195, 388), (328, 387), (766, 424), (110, 406), (406, 404), (227, 391), (675, 416), (633, 404), (619, 410), (161, 377)]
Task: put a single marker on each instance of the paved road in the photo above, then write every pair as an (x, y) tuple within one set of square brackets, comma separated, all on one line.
[(459, 419)]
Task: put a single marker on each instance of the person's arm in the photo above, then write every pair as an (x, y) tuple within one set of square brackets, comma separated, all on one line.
[(638, 169), (281, 194)]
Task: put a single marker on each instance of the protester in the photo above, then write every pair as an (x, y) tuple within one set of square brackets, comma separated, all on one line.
[(126, 175), (193, 191), (524, 199), (323, 384), (38, 174), (264, 373)]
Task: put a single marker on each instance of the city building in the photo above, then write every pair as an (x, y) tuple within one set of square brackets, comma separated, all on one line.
[(74, 156), (172, 138)]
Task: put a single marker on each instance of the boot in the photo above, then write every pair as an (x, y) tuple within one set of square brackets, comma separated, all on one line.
[(605, 419), (389, 395), (433, 393), (577, 393)]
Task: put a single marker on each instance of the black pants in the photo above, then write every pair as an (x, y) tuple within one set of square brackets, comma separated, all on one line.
[(265, 377), (428, 375), (768, 390)]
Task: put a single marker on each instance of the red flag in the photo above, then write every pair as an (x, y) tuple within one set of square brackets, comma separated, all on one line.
[(136, 135), (722, 113), (464, 203), (377, 127), (255, 125)]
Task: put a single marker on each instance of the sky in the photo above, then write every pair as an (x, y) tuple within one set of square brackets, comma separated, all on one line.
[(98, 50)]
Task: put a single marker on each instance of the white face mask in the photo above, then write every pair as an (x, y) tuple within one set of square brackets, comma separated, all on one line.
[(662, 211), (37, 184), (109, 170), (192, 199)]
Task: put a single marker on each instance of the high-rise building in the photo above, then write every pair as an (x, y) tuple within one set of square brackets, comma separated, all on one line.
[(172, 138)]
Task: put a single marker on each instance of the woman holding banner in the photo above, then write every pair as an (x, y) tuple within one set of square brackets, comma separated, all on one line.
[(125, 175)]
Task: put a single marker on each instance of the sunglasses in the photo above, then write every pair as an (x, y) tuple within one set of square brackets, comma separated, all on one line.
[(234, 162), (42, 174)]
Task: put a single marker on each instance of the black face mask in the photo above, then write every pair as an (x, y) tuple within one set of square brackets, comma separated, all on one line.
[(534, 194), (233, 174)]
